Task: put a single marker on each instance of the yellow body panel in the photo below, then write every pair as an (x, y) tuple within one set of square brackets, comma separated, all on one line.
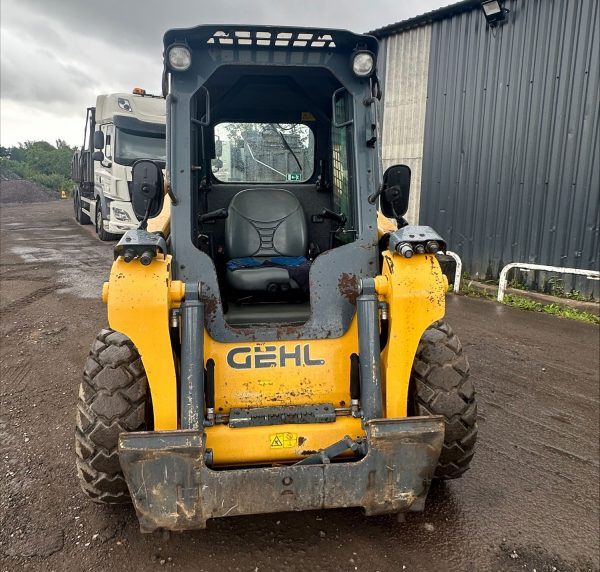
[(298, 372), (139, 298), (414, 289), (162, 221), (251, 374), (276, 443), (385, 224)]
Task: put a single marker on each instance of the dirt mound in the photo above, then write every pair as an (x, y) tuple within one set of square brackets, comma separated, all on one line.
[(15, 189)]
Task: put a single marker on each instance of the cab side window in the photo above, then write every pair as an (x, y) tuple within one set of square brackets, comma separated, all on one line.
[(108, 141), (341, 162)]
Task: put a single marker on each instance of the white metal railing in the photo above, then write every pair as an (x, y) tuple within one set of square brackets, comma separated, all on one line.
[(525, 266), (457, 272)]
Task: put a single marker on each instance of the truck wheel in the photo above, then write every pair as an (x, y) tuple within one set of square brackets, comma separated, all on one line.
[(103, 235), (440, 385), (80, 216), (112, 400)]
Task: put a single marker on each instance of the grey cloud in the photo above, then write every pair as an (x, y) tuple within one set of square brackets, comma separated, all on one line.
[(141, 25), (38, 76), (33, 26), (58, 54)]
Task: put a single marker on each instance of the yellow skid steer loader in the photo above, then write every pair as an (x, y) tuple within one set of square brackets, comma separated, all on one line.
[(280, 346)]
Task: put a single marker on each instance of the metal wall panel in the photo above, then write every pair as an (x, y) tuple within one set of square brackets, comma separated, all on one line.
[(406, 61), (511, 168)]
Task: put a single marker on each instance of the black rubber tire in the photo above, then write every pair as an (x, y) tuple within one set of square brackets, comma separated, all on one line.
[(103, 234), (113, 398), (80, 216), (441, 385)]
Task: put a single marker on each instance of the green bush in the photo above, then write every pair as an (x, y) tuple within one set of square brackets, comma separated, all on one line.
[(553, 309), (40, 162)]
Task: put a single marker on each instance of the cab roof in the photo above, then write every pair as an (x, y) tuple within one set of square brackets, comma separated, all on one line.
[(145, 108), (270, 37)]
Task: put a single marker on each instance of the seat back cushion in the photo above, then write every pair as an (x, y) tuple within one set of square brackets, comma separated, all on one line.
[(265, 222)]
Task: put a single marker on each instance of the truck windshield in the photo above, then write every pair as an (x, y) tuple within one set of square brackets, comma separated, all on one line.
[(263, 152), (131, 146)]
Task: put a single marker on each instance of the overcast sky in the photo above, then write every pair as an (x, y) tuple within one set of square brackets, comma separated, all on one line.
[(57, 55)]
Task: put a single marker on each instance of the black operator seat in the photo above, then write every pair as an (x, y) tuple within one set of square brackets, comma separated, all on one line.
[(266, 240)]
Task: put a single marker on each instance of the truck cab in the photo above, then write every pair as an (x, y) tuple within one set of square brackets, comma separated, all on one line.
[(121, 129)]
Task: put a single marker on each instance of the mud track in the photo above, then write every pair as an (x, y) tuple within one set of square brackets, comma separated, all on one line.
[(529, 502)]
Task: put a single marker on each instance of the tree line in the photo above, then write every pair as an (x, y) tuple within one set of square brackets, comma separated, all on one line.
[(39, 161)]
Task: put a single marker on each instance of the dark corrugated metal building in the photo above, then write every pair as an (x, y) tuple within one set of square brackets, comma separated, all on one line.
[(506, 154)]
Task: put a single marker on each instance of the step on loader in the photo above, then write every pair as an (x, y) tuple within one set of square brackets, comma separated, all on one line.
[(280, 345)]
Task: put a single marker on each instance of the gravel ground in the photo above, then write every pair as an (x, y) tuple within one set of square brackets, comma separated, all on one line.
[(15, 190), (530, 501)]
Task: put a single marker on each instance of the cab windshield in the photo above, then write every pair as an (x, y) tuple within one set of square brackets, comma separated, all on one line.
[(131, 146), (263, 152)]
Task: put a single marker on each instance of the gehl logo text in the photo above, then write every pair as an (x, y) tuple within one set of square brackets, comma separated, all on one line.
[(246, 357)]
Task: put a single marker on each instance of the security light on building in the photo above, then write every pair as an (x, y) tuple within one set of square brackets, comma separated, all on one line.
[(493, 11)]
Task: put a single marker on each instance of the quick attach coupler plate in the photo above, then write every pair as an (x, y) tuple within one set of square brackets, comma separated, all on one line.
[(172, 488)]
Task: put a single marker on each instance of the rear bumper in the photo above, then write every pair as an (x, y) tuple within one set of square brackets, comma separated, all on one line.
[(172, 488)]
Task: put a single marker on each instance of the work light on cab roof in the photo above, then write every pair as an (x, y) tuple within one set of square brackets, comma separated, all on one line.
[(180, 58), (363, 64)]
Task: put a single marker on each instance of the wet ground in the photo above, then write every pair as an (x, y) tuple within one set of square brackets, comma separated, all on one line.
[(530, 501)]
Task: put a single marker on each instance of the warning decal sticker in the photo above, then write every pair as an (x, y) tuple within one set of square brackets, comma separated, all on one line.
[(283, 440)]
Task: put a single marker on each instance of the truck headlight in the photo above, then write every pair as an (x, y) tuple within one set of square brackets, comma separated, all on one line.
[(120, 214), (180, 58), (363, 64)]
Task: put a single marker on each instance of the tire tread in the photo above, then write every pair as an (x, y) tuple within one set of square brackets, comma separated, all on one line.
[(112, 400), (441, 385)]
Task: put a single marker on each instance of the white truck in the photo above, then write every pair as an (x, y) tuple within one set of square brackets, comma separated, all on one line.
[(122, 128)]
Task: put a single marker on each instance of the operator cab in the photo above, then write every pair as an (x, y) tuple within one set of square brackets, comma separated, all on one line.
[(273, 175), (275, 187)]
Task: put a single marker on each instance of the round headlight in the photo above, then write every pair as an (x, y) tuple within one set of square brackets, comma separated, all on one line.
[(180, 58), (363, 64)]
